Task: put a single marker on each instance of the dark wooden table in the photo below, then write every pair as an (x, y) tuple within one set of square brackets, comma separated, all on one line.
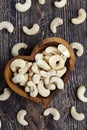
[(63, 101)]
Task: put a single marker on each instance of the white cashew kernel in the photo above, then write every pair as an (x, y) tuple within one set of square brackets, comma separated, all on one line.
[(24, 81), (81, 17), (35, 68), (51, 86), (5, 95), (62, 49), (42, 64), (41, 2), (75, 115), (26, 68), (20, 117), (54, 112), (33, 89), (23, 7), (18, 63), (58, 82), (61, 72), (55, 23), (38, 56), (42, 90), (51, 50), (27, 89), (60, 4), (56, 62), (34, 30), (78, 47), (7, 25), (36, 78), (17, 47), (80, 93)]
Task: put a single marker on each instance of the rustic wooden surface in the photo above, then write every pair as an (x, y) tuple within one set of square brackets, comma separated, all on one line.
[(63, 101)]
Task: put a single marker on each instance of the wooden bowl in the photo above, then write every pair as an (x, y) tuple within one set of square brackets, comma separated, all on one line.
[(54, 41)]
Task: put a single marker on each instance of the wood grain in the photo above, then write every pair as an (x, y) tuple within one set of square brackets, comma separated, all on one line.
[(63, 101)]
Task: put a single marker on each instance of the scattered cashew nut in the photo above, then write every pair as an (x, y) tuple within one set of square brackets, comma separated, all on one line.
[(58, 82), (16, 48), (54, 112), (80, 93), (42, 90), (23, 7), (20, 117), (5, 95), (41, 2), (78, 47), (7, 25), (75, 115), (60, 4), (55, 23), (81, 17), (34, 30), (18, 63)]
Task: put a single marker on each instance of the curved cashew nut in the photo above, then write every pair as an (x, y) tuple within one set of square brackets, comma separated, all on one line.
[(81, 17), (34, 30), (60, 4), (61, 72), (41, 2), (55, 23), (35, 68), (23, 7), (17, 47), (7, 25), (51, 86), (62, 49), (58, 81), (51, 50), (20, 117), (38, 56), (33, 89), (75, 115), (42, 64), (54, 112), (5, 95), (18, 63), (36, 78), (79, 47), (42, 90), (56, 62), (26, 68), (80, 93)]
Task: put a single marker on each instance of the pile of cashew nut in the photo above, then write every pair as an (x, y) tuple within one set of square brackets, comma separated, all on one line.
[(45, 74)]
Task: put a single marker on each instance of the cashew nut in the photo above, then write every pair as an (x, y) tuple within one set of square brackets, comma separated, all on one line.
[(24, 81), (34, 30), (18, 63), (20, 117), (60, 4), (75, 115), (33, 89), (61, 72), (36, 78), (42, 64), (80, 93), (7, 25), (41, 1), (35, 68), (58, 82), (51, 86), (51, 50), (81, 17), (55, 23), (23, 7), (78, 47), (54, 112), (5, 95), (38, 56), (27, 89), (42, 90), (16, 48), (26, 68), (62, 49), (56, 62)]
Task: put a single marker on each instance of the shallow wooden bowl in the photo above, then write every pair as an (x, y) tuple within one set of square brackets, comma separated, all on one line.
[(54, 41)]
